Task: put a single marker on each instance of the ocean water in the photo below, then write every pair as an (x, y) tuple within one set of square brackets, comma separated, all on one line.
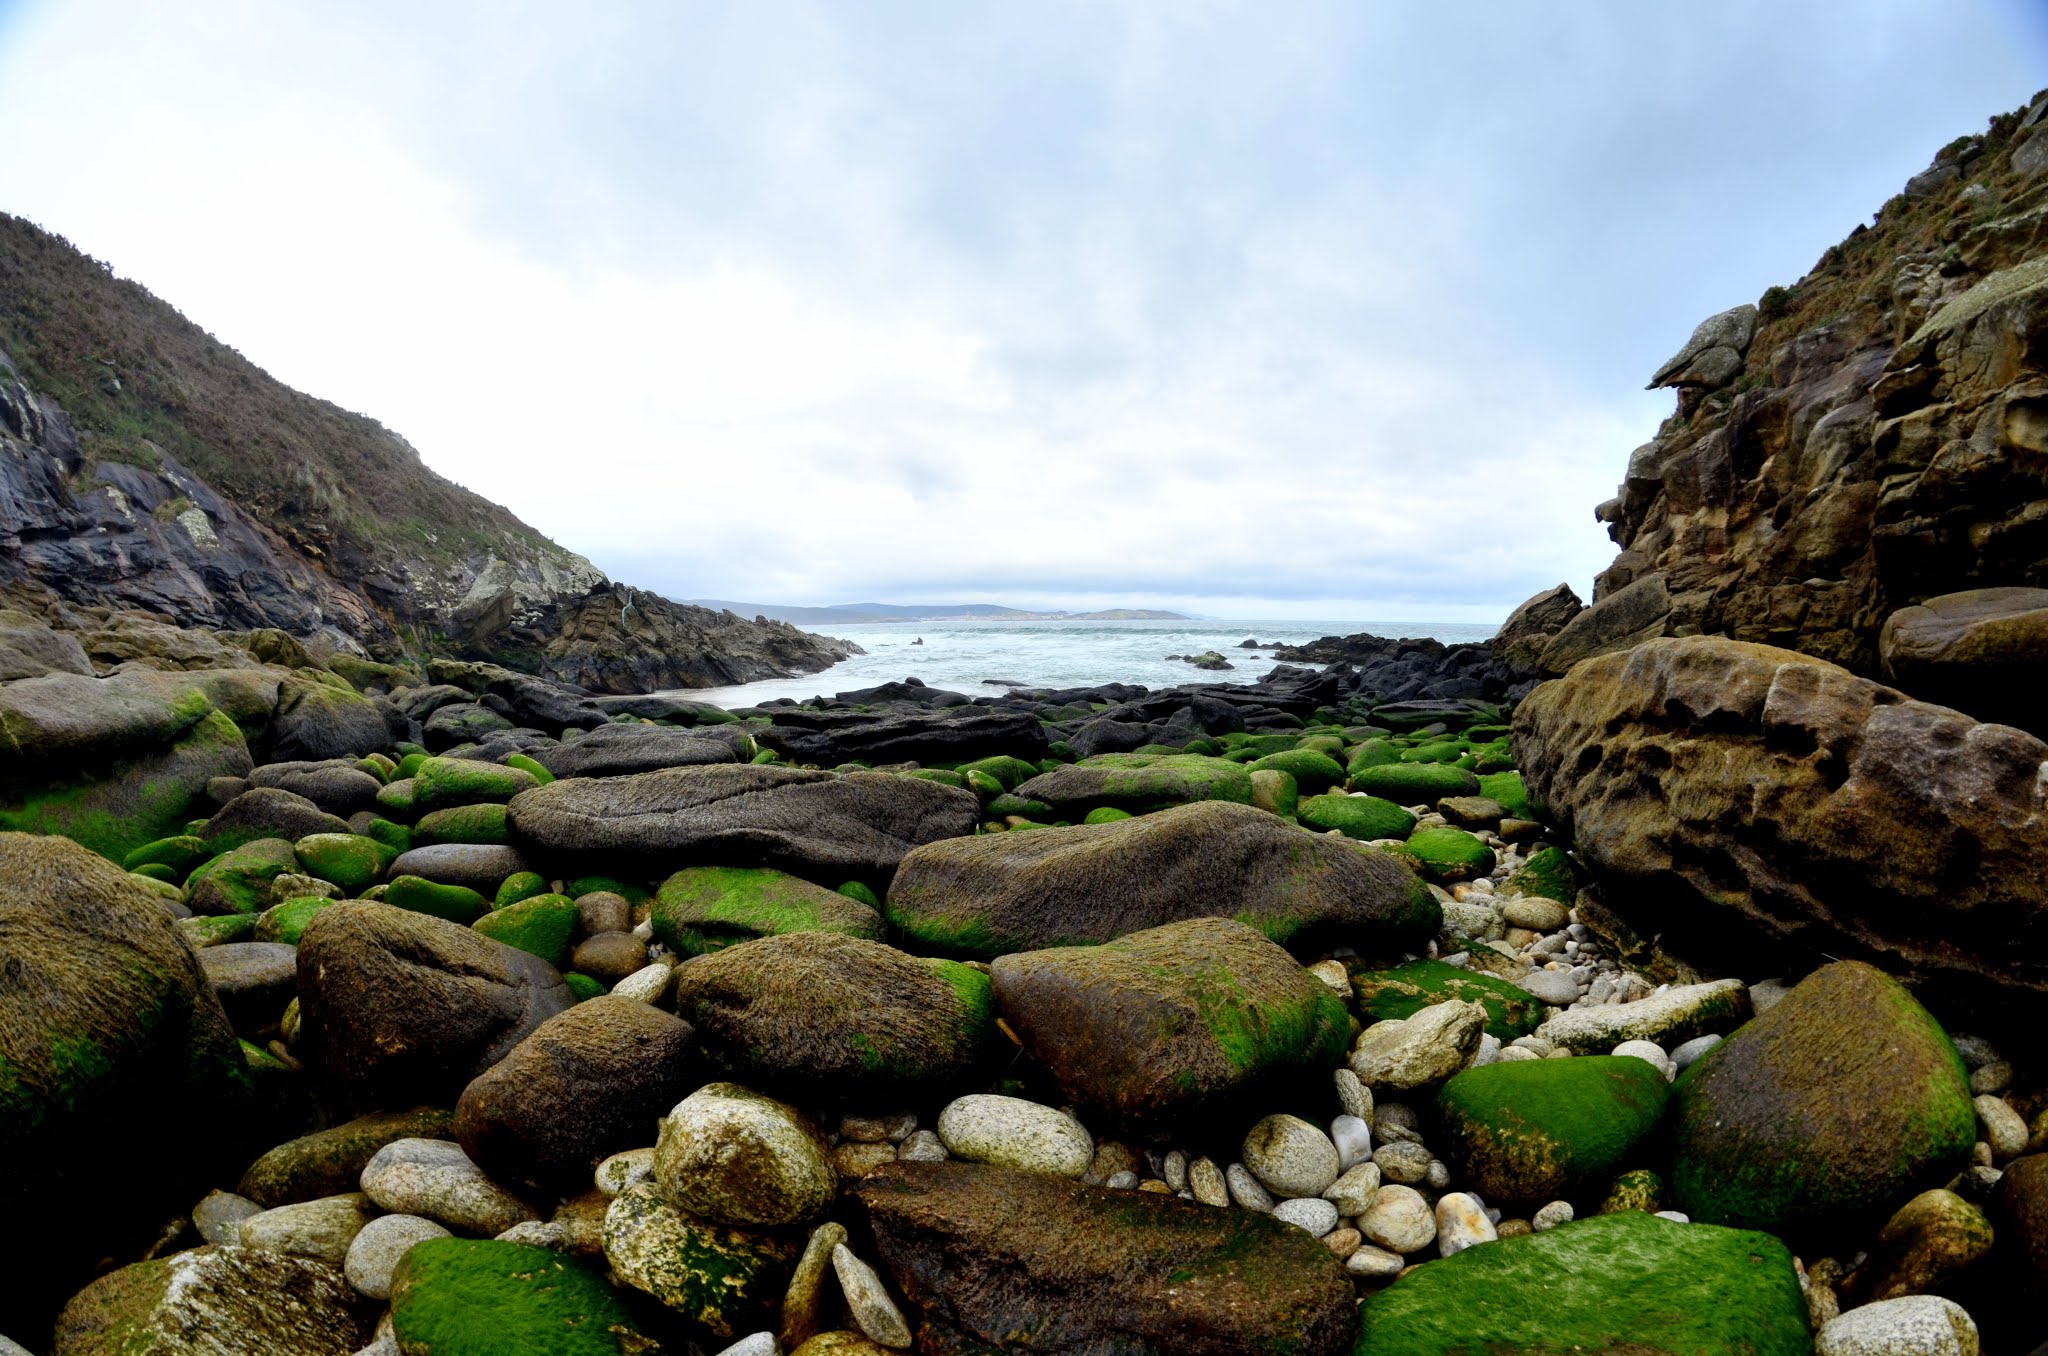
[(963, 655)]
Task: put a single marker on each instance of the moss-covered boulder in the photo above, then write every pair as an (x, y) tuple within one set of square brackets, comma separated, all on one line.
[(1449, 854), (480, 1297), (1400, 993), (1548, 872), (1618, 1283), (1272, 791), (519, 885), (105, 1015), (238, 881), (987, 896), (1413, 783), (286, 922), (542, 926), (725, 1281), (441, 783), (822, 1012), (1507, 788), (1371, 753), (1365, 818), (348, 860), (1009, 773), (1182, 1020), (480, 823), (1832, 1108), (1313, 770), (267, 812), (1138, 782), (706, 908), (178, 855), (1531, 1131), (456, 903)]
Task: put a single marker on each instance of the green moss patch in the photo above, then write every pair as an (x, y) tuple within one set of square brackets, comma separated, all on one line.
[(1414, 783), (1393, 995), (456, 903), (1548, 872), (541, 926), (348, 860), (480, 1297), (1530, 1131), (480, 823), (440, 783), (707, 908), (1365, 818), (1313, 770)]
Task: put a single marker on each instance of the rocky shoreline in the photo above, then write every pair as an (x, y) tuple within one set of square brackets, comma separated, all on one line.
[(475, 1013)]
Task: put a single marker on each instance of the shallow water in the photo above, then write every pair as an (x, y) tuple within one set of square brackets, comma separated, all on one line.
[(963, 655)]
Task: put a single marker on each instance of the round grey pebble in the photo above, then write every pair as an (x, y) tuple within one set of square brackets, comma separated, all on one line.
[(1684, 1056), (1406, 1162), (1245, 1189), (1291, 1157), (1551, 1215), (380, 1247), (1315, 1215)]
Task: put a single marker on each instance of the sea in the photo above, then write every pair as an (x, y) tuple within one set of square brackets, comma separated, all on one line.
[(983, 658)]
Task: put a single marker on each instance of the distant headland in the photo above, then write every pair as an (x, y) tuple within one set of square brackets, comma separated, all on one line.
[(906, 612)]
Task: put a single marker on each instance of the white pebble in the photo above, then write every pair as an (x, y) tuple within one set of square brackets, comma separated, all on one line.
[(1353, 1192), (874, 1313), (1245, 1189), (2004, 1130), (1461, 1222), (1918, 1325), (1352, 1095), (1371, 1261), (1552, 1215), (1353, 1138), (1675, 1216), (1651, 1053), (1399, 1220), (1307, 1212), (754, 1344)]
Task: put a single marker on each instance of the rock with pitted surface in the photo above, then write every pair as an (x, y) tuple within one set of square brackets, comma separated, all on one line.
[(1984, 651), (729, 1155), (617, 750), (985, 1254), (583, 1085), (1732, 796), (219, 1301), (990, 895), (813, 824), (404, 1008), (726, 1281), (961, 735), (1173, 1021), (103, 1010)]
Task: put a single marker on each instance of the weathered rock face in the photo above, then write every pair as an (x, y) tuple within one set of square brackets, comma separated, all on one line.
[(990, 1254), (1984, 651), (104, 1012), (1729, 794), (1872, 437), (999, 893), (812, 824), (245, 1301)]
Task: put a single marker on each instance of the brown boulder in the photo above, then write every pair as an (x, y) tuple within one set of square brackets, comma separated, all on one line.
[(1984, 651), (1728, 795)]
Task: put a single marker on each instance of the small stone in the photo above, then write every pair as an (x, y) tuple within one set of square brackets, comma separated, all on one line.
[(1206, 1182), (874, 1313), (922, 1146), (1396, 1123), (1420, 1050), (1353, 1096), (1333, 973), (1651, 1053), (375, 1253), (753, 1344), (1461, 1222), (803, 1302), (1353, 1138), (1291, 1157), (1010, 1132), (1514, 1054), (320, 1229), (1551, 1215), (648, 984), (1514, 1228), (1555, 987), (1111, 1157), (1343, 1242), (1305, 1212), (890, 1128), (1245, 1189), (2003, 1128), (623, 1170), (1353, 1192), (219, 1216), (856, 1159), (434, 1178), (1438, 1177), (734, 1157), (1405, 1163), (1399, 1220), (1174, 1170), (1378, 1263), (1123, 1181), (1932, 1240), (1685, 1055), (1917, 1325), (1994, 1077), (1535, 913)]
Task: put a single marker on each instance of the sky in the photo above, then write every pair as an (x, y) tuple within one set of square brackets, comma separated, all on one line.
[(1275, 311)]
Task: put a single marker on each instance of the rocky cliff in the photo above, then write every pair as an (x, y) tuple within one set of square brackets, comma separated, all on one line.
[(1865, 440), (143, 465)]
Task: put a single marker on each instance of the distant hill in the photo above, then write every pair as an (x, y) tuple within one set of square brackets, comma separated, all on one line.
[(893, 612)]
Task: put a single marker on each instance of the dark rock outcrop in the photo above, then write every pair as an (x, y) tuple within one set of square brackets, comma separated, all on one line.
[(828, 738)]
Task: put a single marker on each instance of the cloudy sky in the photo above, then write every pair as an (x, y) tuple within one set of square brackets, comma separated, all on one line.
[(1299, 310)]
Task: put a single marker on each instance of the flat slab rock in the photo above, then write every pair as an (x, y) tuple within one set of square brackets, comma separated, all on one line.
[(1014, 1259), (814, 824)]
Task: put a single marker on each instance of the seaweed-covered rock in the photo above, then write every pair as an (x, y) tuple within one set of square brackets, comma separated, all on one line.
[(103, 1011), (815, 824), (991, 1255), (585, 1084), (1449, 854), (1832, 1107), (1930, 1244), (238, 881), (1402, 992), (726, 1281), (1138, 782), (404, 1008), (543, 925), (331, 1161), (481, 1297), (441, 783), (453, 903), (1175, 1020), (704, 908), (483, 823), (999, 893), (812, 1011), (244, 1301), (1313, 770), (1615, 1283), (1362, 817), (1548, 873), (1414, 783), (1534, 1130), (349, 860)]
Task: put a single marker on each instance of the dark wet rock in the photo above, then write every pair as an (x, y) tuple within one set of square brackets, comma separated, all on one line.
[(217, 1301), (253, 980), (1984, 651), (339, 788), (829, 738), (476, 866), (268, 812), (617, 750)]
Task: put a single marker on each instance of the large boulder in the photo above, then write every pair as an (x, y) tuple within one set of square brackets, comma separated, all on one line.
[(990, 895), (828, 738), (616, 750), (1138, 782), (219, 1301), (1731, 794), (267, 812), (404, 1008), (704, 908), (1984, 651), (1831, 1109), (1174, 1021), (992, 1259), (813, 824), (818, 1011), (1626, 1282), (1531, 1131), (325, 720), (583, 1085), (1530, 628), (104, 1014)]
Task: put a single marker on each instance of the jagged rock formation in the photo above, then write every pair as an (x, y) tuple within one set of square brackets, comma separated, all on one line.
[(145, 466), (1868, 439)]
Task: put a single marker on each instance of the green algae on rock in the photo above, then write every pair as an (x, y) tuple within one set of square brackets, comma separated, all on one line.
[(1313, 771), (456, 903), (1547, 872), (1616, 1283), (1414, 783), (352, 861), (1172, 1021), (706, 908), (481, 1297), (442, 783), (483, 822), (542, 925), (1531, 1131), (238, 881), (1139, 782), (1828, 1110), (1400, 993), (726, 1281), (331, 1161), (1366, 818), (1450, 854)]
